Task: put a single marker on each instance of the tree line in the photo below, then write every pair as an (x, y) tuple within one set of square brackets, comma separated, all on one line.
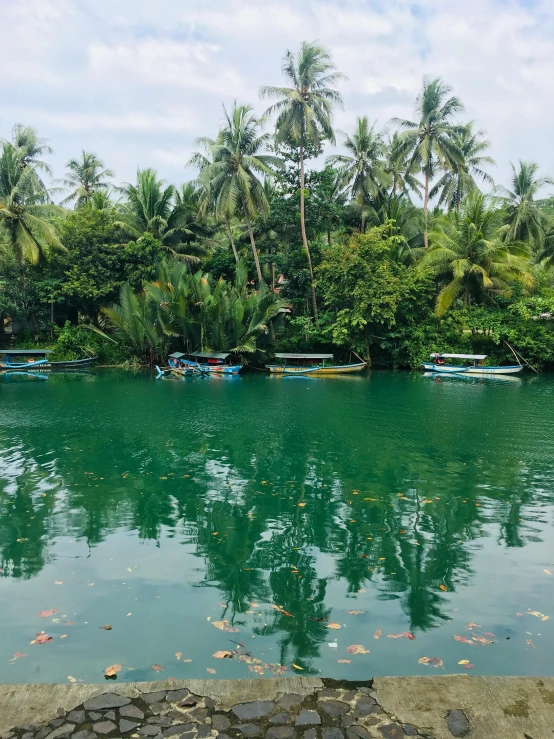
[(400, 244)]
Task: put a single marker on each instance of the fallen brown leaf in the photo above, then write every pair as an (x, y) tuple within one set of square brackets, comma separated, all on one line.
[(333, 626), (210, 670), (444, 588), (112, 670), (178, 655), (377, 633), (224, 626), (47, 614), (41, 638), (158, 668), (357, 649), (222, 654), (107, 627), (355, 613), (344, 661)]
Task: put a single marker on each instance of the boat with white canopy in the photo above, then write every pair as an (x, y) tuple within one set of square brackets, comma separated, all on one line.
[(319, 364), (477, 368)]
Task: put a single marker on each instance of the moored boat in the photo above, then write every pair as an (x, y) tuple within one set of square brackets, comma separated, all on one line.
[(203, 363), (31, 359), (313, 363), (477, 368)]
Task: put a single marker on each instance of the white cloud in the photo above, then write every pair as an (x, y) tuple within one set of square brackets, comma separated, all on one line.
[(137, 82)]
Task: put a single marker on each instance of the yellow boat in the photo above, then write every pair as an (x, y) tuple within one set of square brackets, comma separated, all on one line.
[(312, 363)]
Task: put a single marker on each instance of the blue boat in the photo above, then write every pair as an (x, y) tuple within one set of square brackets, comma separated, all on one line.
[(30, 359), (202, 363), (477, 368)]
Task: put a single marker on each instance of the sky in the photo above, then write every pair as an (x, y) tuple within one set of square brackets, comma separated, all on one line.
[(136, 81)]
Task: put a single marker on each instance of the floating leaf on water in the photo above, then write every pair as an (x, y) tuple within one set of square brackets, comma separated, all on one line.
[(482, 640), (344, 661), (280, 609), (333, 625), (547, 572), (471, 626), (178, 655), (395, 636), (433, 661), (545, 618), (408, 635), (528, 641), (112, 670), (224, 626), (297, 667), (41, 638), (377, 633), (63, 636), (357, 649), (464, 639), (186, 660), (222, 654), (47, 614), (17, 655), (355, 613), (490, 634), (107, 627), (210, 670), (90, 585), (72, 679), (301, 505), (444, 588), (58, 582), (158, 668), (129, 614), (463, 662), (468, 666)]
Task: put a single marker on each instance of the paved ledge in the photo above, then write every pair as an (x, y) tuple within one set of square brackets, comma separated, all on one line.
[(439, 707)]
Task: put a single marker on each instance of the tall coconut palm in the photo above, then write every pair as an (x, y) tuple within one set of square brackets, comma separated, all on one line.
[(85, 176), (23, 212), (207, 199), (363, 169), (232, 178), (429, 139), (468, 251), (402, 180), (525, 217), (150, 206), (30, 146), (460, 181), (304, 114)]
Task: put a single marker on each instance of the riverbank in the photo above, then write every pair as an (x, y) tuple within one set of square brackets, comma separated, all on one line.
[(284, 708)]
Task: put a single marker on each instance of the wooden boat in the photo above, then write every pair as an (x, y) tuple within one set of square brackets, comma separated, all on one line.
[(30, 359), (477, 368), (302, 362), (202, 363), (299, 370)]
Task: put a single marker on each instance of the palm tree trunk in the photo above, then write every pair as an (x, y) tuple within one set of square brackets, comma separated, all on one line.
[(253, 244), (303, 229), (230, 235), (425, 208), (363, 221)]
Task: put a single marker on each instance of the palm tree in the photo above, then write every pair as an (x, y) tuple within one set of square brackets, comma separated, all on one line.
[(362, 170), (30, 146), (207, 198), (525, 217), (304, 112), (152, 207), (133, 325), (402, 180), (230, 175), (23, 212), (86, 176), (429, 140), (467, 250), (458, 182)]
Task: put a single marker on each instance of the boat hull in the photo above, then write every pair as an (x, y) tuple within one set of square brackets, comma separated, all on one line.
[(331, 370), (214, 369), (477, 371)]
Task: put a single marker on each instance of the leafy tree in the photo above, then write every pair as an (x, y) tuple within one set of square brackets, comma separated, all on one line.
[(363, 170), (429, 140), (230, 176), (86, 176), (151, 207), (30, 147), (467, 250), (460, 181), (23, 214), (525, 221), (402, 181), (304, 112), (362, 285)]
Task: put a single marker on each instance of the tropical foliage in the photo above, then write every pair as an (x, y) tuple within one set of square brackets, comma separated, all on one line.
[(395, 243)]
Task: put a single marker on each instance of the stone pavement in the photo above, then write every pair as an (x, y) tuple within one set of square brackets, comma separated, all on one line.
[(292, 708)]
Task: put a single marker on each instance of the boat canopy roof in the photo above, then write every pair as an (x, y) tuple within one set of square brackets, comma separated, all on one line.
[(303, 356), (459, 356), (26, 352), (176, 355), (209, 355)]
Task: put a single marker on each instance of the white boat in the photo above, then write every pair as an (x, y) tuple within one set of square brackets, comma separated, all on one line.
[(477, 368)]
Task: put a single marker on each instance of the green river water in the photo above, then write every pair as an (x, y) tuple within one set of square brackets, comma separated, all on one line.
[(294, 516)]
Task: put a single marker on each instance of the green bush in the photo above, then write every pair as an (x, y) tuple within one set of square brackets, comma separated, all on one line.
[(76, 342)]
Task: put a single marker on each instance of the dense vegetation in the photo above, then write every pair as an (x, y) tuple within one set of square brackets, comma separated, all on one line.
[(399, 244)]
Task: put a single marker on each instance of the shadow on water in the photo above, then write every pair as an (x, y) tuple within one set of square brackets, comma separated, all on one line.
[(281, 508)]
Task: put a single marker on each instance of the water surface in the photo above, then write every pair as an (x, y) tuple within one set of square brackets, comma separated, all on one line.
[(274, 507)]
